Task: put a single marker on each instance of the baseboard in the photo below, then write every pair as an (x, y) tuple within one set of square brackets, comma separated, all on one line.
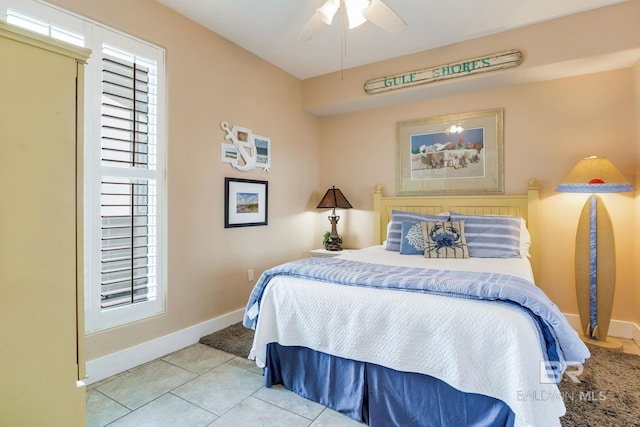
[(617, 328), (114, 363), (636, 334)]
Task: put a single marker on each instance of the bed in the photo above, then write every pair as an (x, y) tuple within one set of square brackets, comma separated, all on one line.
[(390, 337)]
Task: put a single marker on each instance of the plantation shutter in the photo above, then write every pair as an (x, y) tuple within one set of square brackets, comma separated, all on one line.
[(125, 109), (128, 252)]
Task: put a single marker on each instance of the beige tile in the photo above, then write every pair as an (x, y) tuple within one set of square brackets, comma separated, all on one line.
[(101, 410), (106, 380), (221, 388), (244, 363), (143, 384), (283, 398), (167, 411), (331, 418), (198, 358), (253, 412)]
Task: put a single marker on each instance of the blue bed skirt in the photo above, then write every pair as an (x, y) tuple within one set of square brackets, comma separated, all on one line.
[(379, 396)]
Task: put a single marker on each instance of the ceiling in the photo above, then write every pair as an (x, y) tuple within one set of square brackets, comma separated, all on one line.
[(270, 28)]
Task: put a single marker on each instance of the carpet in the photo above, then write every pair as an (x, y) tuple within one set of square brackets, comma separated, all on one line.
[(608, 394), (234, 339)]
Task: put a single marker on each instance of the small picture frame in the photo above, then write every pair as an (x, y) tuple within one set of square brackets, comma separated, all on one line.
[(243, 134), (245, 202), (263, 150), (228, 152)]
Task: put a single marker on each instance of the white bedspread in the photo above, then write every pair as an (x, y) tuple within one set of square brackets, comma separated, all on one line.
[(490, 348)]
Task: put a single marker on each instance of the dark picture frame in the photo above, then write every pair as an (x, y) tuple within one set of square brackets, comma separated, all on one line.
[(246, 202)]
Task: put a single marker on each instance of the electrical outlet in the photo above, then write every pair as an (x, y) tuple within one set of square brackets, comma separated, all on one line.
[(250, 275)]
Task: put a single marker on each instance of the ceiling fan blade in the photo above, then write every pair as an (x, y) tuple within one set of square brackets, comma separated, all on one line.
[(314, 25), (384, 17), (322, 16)]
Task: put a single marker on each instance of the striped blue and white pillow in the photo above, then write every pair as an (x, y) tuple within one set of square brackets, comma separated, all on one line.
[(491, 236), (394, 233)]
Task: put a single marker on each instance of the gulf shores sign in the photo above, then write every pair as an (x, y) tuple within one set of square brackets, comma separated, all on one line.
[(481, 64)]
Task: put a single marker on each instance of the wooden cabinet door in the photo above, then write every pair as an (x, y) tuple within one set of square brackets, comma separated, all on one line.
[(38, 234)]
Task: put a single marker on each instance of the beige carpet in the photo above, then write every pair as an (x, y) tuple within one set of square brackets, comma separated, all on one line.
[(608, 393)]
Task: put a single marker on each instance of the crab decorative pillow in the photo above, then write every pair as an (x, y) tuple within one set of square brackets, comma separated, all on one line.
[(444, 239)]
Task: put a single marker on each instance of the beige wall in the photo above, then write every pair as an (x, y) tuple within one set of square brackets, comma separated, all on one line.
[(548, 127), (210, 80), (636, 119)]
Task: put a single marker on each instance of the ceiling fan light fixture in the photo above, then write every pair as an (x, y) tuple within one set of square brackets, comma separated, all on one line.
[(328, 10), (354, 12)]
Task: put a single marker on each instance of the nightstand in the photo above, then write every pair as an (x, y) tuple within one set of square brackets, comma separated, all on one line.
[(326, 253)]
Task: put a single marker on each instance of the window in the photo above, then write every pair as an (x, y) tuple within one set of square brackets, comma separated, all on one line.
[(123, 164), (125, 184)]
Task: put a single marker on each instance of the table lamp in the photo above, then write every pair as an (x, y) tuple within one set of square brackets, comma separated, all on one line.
[(333, 199), (595, 262)]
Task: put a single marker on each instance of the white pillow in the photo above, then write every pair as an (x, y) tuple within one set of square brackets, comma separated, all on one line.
[(525, 239)]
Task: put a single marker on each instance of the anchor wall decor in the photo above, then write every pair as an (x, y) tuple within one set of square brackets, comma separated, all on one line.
[(246, 150)]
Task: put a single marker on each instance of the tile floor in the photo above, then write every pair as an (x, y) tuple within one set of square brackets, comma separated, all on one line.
[(202, 386)]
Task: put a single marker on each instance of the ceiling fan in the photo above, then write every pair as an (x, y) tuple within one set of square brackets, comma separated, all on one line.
[(357, 12)]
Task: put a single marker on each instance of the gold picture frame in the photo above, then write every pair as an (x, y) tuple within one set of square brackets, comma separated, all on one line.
[(453, 154)]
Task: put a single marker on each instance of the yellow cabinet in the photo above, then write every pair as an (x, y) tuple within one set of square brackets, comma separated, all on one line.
[(41, 270)]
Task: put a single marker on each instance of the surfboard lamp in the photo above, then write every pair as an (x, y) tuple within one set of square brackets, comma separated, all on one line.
[(333, 199), (595, 261)]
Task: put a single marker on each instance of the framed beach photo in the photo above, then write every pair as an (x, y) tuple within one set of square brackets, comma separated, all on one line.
[(454, 154), (245, 202), (263, 151), (228, 152)]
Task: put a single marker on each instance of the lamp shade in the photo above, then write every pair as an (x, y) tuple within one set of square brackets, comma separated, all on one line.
[(334, 198), (594, 175)]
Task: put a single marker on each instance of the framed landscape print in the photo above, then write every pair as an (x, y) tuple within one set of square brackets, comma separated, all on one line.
[(245, 202), (454, 154)]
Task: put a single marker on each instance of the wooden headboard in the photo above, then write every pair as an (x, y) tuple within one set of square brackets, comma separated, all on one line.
[(525, 205)]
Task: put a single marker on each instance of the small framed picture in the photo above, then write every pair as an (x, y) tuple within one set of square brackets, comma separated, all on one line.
[(228, 153), (245, 202), (263, 151), (242, 134)]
